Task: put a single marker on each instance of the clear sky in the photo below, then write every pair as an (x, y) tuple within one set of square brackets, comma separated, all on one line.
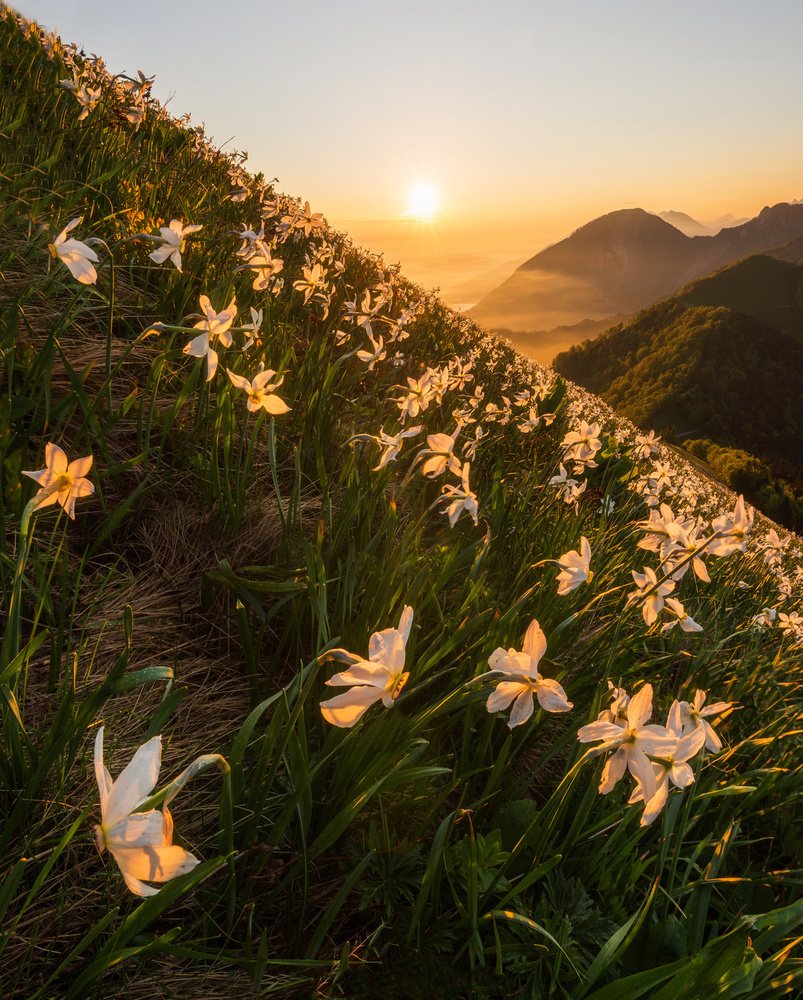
[(528, 118)]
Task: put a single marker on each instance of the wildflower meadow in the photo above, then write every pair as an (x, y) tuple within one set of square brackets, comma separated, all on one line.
[(471, 687)]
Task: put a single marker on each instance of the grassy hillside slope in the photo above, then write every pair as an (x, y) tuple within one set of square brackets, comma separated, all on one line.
[(390, 604), (702, 368)]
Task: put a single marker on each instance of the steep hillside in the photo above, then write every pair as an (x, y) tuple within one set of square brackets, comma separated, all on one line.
[(791, 251), (772, 227), (720, 363), (699, 368), (331, 624)]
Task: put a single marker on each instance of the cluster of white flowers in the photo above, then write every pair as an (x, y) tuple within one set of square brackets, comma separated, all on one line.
[(655, 755), (492, 395)]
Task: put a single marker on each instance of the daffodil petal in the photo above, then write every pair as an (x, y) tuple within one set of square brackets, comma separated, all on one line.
[(522, 708), (136, 886), (534, 641), (364, 672), (387, 647), (102, 775), (348, 708), (160, 254), (80, 467), (640, 767), (599, 730), (55, 459), (640, 707), (274, 405), (612, 772), (551, 696), (134, 783), (137, 830), (504, 694), (654, 806), (156, 863)]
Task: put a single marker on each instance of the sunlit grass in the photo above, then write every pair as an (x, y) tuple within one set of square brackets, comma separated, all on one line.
[(291, 444)]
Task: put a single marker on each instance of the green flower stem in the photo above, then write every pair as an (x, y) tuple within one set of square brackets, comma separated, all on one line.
[(11, 639)]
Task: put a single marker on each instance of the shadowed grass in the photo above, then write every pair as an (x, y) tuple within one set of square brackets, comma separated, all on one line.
[(226, 552)]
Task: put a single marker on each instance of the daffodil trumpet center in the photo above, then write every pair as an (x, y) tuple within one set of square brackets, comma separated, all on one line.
[(398, 685), (100, 838)]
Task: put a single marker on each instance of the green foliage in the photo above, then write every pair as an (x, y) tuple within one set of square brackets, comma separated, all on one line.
[(700, 368), (429, 848), (763, 483)]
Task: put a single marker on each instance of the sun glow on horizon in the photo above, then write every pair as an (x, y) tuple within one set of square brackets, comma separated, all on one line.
[(423, 202)]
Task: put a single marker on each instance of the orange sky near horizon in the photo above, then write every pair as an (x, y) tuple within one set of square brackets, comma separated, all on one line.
[(448, 250), (530, 118)]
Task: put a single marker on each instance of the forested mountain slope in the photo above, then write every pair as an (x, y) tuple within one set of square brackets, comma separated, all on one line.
[(700, 368)]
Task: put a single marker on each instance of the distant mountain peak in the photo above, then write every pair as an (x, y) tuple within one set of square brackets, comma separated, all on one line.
[(687, 225), (610, 240), (635, 221), (622, 262), (728, 221)]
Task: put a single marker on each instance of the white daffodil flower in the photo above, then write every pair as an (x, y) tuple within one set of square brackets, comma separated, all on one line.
[(731, 532), (461, 498), (371, 358), (686, 622), (650, 593), (441, 447), (265, 269), (524, 682), (173, 239), (380, 677), (583, 444), (260, 391), (674, 768), (216, 324), (574, 568), (694, 716), (631, 744), (390, 443), (140, 842), (76, 255), (71, 479)]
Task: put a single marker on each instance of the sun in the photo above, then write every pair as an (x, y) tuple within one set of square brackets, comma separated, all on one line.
[(422, 202)]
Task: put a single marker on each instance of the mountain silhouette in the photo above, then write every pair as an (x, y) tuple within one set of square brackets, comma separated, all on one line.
[(687, 225), (621, 263)]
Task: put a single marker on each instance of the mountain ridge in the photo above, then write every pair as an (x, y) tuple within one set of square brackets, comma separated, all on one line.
[(724, 356), (687, 225), (621, 263)]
